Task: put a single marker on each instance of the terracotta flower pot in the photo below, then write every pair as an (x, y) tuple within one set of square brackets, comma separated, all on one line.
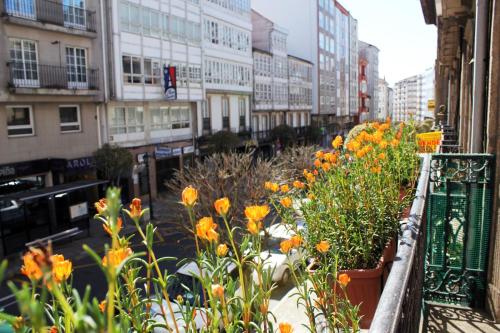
[(365, 289)]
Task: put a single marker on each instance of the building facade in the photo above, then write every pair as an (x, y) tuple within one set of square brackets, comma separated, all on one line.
[(322, 32), (414, 97), (354, 69), (51, 91), (228, 65), (300, 92), (368, 63), (384, 103), (144, 39)]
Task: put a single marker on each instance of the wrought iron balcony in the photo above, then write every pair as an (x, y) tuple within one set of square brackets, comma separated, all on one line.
[(33, 75), (47, 11)]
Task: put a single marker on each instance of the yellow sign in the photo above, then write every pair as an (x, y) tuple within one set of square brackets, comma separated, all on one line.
[(431, 104), (427, 142)]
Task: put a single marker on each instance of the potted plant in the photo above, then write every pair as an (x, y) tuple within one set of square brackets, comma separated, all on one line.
[(354, 204)]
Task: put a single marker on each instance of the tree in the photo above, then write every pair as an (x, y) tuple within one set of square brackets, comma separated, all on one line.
[(285, 134), (223, 142), (113, 163)]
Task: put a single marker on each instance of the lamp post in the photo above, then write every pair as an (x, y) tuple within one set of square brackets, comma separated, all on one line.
[(146, 163)]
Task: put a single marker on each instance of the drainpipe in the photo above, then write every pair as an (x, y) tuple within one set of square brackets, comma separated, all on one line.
[(478, 101)]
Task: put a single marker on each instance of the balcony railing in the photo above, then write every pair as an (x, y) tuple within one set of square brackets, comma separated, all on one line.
[(399, 308), (47, 11), (33, 75)]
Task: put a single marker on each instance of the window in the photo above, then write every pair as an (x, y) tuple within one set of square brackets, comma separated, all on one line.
[(132, 72), (242, 113), (206, 126), (178, 27), (77, 67), (69, 116), (225, 113), (74, 13), (214, 32), (193, 31), (23, 8), (160, 119), (127, 120), (165, 25), (23, 54), (130, 17), (150, 22), (152, 72), (180, 117), (20, 121)]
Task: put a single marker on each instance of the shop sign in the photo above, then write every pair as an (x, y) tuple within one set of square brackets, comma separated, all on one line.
[(177, 151), (24, 168), (80, 164), (189, 150), (170, 81), (163, 152), (78, 210)]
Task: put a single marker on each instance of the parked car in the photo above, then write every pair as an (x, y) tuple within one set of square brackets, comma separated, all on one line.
[(185, 283), (275, 260), (11, 214)]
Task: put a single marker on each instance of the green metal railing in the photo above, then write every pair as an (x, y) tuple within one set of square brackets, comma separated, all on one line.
[(458, 228)]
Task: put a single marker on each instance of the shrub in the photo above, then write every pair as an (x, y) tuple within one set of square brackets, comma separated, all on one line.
[(113, 163), (285, 134), (223, 141)]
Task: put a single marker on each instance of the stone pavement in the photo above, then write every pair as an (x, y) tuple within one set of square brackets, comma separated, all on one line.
[(459, 320)]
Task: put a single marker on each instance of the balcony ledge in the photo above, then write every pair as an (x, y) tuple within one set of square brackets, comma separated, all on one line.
[(48, 26), (48, 91)]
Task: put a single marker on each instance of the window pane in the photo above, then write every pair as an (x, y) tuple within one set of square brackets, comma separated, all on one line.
[(18, 116), (68, 114)]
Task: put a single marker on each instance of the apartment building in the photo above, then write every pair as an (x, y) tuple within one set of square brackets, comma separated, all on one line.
[(368, 62), (50, 92), (354, 69), (145, 41), (414, 97), (384, 101), (282, 83), (322, 33), (227, 48)]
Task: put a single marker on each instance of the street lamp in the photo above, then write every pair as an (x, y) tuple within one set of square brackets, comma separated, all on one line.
[(146, 163)]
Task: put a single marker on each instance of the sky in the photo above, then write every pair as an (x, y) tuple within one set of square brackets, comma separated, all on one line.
[(397, 27)]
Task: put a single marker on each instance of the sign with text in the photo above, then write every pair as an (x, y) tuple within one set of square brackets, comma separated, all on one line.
[(78, 210), (427, 142), (170, 79), (163, 152)]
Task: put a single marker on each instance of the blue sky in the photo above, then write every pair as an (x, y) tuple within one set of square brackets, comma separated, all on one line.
[(407, 45)]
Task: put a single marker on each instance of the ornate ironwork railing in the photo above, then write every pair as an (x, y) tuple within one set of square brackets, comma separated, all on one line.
[(53, 12), (399, 308), (459, 220)]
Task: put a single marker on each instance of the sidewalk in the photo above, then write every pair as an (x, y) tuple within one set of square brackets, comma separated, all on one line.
[(459, 320)]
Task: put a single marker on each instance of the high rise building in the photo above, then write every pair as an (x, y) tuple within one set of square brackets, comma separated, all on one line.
[(368, 62), (321, 32), (426, 94)]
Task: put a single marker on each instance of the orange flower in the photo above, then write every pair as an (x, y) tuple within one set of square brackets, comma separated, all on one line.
[(317, 163), (360, 153), (310, 177), (61, 268), (296, 241), (189, 196), (205, 229), (382, 156), (102, 306), (376, 169), (264, 308), (253, 227), (344, 279), (298, 184), (53, 329), (394, 143), (285, 328), (119, 224), (218, 291), (305, 172), (286, 202), (315, 172), (136, 208), (222, 250), (326, 166), (337, 142), (271, 186), (286, 246), (256, 213), (101, 206), (285, 188), (383, 144), (31, 267), (116, 256), (222, 206), (319, 154), (311, 196), (323, 246), (347, 156), (353, 145)]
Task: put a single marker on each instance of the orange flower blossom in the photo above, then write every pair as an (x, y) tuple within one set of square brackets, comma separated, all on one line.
[(205, 229), (222, 206), (189, 196)]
